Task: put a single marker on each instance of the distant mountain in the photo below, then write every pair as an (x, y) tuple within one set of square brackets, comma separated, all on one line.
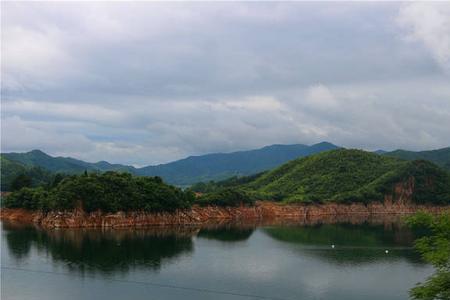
[(219, 166), (441, 157), (186, 171), (37, 158), (348, 176), (380, 151)]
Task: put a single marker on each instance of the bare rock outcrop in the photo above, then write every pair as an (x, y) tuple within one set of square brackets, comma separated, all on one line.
[(262, 212)]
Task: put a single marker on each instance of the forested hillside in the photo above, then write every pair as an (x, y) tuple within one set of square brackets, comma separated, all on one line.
[(441, 157), (343, 176), (14, 175)]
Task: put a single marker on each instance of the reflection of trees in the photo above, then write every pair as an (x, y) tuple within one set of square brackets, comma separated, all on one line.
[(361, 243), (112, 250), (228, 233), (19, 244), (107, 251), (102, 251)]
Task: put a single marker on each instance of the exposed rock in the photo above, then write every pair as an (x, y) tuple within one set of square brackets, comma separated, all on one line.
[(262, 212)]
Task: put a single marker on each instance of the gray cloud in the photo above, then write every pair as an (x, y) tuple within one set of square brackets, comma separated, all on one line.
[(145, 83), (430, 25)]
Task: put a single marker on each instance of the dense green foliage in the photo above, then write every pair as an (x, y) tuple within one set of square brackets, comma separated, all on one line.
[(353, 175), (343, 175), (108, 192), (440, 157), (21, 181), (333, 175), (431, 183), (9, 171), (225, 197), (181, 172), (213, 186), (435, 249), (15, 175)]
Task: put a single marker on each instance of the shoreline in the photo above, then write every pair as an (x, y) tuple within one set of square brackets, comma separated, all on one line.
[(264, 212)]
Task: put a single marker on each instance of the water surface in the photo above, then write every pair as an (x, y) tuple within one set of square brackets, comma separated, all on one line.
[(217, 262)]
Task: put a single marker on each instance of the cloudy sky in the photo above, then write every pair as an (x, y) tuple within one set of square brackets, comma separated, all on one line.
[(145, 83)]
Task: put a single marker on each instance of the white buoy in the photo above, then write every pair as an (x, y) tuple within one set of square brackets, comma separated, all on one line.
[(386, 251), (332, 246)]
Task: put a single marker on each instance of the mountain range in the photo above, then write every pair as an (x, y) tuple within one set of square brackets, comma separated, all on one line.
[(219, 166), (215, 166), (184, 172)]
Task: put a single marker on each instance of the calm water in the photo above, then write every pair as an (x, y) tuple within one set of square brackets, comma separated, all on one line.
[(229, 262)]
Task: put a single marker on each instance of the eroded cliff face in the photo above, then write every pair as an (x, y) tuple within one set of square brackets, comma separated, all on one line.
[(402, 193), (263, 212)]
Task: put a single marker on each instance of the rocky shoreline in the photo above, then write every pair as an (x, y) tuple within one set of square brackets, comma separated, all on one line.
[(263, 212)]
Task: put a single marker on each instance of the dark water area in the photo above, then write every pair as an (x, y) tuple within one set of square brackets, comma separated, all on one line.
[(231, 261)]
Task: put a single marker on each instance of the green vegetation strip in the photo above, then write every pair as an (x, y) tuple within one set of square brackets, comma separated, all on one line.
[(108, 192)]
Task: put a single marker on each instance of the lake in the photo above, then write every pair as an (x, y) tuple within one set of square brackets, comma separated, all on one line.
[(231, 261)]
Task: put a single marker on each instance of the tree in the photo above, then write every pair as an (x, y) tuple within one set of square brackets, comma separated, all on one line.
[(21, 181), (434, 247), (57, 179), (108, 192)]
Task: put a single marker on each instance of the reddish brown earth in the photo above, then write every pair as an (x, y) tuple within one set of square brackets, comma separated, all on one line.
[(263, 212)]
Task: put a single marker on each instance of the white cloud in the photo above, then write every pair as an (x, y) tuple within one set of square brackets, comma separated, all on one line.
[(254, 103), (429, 23), (18, 134), (142, 83), (320, 97), (66, 111)]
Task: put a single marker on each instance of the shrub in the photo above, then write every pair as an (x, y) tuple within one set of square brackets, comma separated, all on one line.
[(20, 181), (226, 197), (27, 198)]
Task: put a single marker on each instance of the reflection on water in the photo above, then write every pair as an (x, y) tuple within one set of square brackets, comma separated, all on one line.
[(348, 243), (105, 251), (226, 233), (284, 259), (118, 250)]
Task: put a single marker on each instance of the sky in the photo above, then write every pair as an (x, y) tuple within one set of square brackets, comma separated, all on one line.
[(147, 83)]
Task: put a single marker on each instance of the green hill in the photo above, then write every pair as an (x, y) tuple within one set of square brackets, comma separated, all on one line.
[(10, 170), (440, 157), (350, 175)]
